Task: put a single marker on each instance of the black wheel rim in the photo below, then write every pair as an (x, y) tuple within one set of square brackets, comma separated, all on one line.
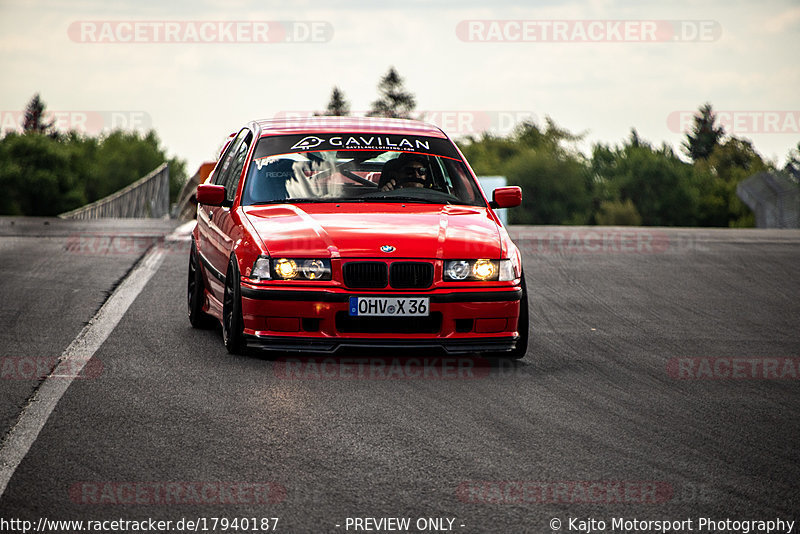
[(227, 309), (192, 284)]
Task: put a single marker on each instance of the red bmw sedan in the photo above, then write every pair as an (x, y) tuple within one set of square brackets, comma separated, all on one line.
[(327, 233)]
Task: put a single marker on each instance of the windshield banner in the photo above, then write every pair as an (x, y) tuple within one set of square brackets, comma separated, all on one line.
[(284, 144)]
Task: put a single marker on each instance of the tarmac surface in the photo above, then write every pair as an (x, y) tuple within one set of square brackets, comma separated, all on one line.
[(662, 382)]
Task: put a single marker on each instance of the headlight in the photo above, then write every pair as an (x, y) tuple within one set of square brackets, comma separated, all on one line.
[(261, 269), (315, 269), (286, 269), (484, 269), (471, 270), (301, 269), (457, 270)]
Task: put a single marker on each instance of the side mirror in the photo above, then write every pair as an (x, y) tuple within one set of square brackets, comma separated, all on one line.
[(213, 195), (506, 197)]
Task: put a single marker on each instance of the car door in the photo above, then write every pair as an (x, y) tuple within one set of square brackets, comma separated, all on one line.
[(221, 229)]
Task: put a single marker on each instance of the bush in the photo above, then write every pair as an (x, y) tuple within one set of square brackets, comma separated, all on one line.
[(618, 213)]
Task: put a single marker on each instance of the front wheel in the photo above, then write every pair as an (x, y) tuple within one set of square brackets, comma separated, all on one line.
[(232, 321), (195, 292), (521, 348)]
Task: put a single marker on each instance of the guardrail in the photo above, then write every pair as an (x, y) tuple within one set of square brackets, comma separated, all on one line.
[(773, 197), (186, 207), (147, 197)]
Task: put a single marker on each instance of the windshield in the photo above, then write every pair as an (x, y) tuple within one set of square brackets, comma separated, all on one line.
[(358, 168)]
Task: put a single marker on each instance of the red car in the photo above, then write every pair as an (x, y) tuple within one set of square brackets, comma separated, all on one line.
[(328, 233)]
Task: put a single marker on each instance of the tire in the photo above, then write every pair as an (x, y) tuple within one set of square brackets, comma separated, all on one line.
[(521, 348), (232, 321), (195, 292)]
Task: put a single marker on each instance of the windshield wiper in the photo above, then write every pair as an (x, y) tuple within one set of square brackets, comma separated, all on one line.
[(417, 200), (308, 200), (290, 201)]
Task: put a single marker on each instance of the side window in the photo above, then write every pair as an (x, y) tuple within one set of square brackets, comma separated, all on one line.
[(229, 160), (237, 164), (225, 163)]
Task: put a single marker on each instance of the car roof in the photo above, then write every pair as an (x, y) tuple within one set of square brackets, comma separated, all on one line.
[(329, 124)]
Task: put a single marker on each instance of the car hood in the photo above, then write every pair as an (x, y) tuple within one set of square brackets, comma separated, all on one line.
[(360, 230)]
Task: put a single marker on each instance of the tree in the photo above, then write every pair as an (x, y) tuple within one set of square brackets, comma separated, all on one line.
[(729, 163), (48, 175), (338, 105), (635, 183), (34, 121), (394, 100), (38, 175), (121, 158), (792, 167), (659, 185), (735, 159), (554, 186), (553, 175), (700, 142)]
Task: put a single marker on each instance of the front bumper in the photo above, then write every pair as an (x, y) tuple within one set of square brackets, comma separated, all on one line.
[(306, 320)]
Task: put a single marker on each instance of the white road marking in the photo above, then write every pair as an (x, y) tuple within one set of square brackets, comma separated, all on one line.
[(34, 416)]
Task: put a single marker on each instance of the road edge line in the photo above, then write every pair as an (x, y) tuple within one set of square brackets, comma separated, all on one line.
[(40, 406)]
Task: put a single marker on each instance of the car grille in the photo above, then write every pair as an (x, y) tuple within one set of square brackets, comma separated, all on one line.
[(389, 325), (405, 275), (365, 274), (375, 275)]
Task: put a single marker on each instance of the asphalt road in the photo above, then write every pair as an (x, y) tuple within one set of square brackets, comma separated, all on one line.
[(661, 383)]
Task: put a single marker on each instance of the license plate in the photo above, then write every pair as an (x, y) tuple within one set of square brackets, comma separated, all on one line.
[(389, 306)]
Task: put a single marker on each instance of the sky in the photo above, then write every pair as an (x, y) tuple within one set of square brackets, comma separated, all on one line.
[(196, 71)]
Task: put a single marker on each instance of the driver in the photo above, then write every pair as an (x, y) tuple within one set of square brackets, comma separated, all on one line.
[(407, 170)]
